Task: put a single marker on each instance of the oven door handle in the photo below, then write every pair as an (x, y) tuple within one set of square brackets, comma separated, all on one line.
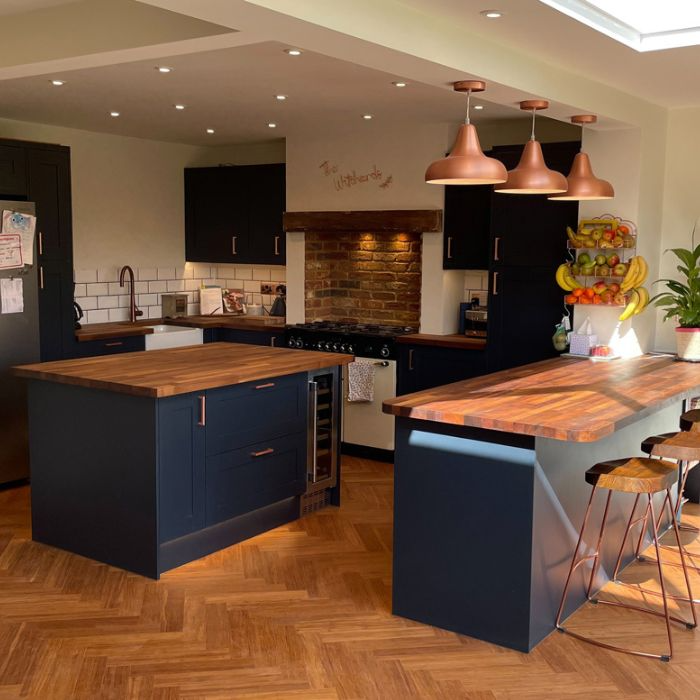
[(313, 418)]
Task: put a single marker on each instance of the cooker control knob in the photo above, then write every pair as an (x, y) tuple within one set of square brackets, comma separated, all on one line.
[(385, 352), (299, 343), (343, 348), (350, 349), (328, 346), (319, 345), (291, 342), (336, 347)]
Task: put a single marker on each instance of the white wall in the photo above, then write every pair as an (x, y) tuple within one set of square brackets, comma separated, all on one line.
[(397, 155)]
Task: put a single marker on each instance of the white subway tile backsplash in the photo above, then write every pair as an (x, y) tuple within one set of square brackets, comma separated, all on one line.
[(155, 287), (154, 312), (191, 285), (148, 273), (116, 288), (141, 287), (184, 273), (119, 314), (147, 299), (473, 280), (225, 270), (166, 273), (107, 302), (261, 273), (244, 273), (192, 309), (101, 316), (79, 290), (85, 275), (251, 286), (87, 303), (124, 299), (176, 286), (200, 270), (98, 289)]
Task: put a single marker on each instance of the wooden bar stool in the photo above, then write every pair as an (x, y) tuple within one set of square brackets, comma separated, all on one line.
[(690, 421), (638, 475)]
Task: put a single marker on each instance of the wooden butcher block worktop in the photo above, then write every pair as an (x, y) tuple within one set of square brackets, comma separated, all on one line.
[(161, 373), (564, 398)]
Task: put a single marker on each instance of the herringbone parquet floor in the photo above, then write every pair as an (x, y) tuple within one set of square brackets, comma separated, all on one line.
[(302, 612)]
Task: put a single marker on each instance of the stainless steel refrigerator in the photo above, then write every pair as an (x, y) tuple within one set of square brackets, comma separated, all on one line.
[(19, 344)]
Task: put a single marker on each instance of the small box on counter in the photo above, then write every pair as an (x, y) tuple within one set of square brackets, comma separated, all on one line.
[(583, 340)]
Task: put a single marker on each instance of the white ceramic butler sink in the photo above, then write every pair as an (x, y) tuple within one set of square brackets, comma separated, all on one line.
[(165, 336)]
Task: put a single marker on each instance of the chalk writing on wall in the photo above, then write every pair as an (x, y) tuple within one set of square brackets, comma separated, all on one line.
[(347, 180)]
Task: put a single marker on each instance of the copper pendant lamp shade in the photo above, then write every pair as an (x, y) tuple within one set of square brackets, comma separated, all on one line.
[(466, 164), (531, 175), (582, 183)]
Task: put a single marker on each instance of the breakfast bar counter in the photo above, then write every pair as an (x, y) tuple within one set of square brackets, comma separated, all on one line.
[(490, 490)]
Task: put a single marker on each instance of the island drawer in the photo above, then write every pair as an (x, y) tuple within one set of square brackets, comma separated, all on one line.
[(247, 414), (110, 346), (251, 477)]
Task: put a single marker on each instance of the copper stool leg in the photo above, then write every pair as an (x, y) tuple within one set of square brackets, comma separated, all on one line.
[(649, 511)]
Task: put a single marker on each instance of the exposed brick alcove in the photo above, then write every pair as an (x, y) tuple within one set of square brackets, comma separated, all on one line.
[(363, 277)]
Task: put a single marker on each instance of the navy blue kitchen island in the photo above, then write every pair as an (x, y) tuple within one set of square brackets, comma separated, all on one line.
[(148, 460), (489, 490)]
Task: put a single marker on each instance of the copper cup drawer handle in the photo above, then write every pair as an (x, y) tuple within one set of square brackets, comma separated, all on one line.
[(269, 385), (262, 453), (115, 344)]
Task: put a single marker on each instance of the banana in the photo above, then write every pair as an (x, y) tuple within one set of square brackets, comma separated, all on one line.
[(631, 277), (631, 306), (644, 299), (570, 279), (643, 271), (561, 277)]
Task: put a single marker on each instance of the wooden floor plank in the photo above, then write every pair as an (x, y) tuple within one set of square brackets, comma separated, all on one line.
[(299, 613)]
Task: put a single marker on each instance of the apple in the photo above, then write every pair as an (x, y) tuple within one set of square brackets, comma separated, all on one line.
[(584, 259), (608, 235), (599, 287), (604, 271), (600, 259), (607, 296), (617, 241), (588, 270), (575, 269), (613, 259), (620, 270), (597, 234), (614, 287)]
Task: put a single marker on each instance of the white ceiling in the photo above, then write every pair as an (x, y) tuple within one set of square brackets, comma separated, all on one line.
[(232, 91), (670, 78)]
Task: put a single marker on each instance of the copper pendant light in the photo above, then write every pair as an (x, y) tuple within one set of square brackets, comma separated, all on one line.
[(466, 164), (583, 184), (531, 175)]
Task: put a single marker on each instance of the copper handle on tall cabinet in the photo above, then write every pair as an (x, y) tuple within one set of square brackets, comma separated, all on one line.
[(202, 411), (410, 359), (496, 241), (277, 245), (495, 284), (40, 243), (233, 245), (262, 453), (449, 247), (41, 276)]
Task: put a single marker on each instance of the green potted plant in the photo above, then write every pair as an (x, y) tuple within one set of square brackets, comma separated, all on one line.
[(681, 300)]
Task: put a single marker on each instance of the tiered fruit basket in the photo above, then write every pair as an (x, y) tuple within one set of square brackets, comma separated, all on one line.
[(603, 268)]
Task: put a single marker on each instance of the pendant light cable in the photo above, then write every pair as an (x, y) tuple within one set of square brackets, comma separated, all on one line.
[(469, 98)]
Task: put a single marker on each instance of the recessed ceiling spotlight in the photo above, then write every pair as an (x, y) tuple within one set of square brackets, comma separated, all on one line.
[(180, 107), (210, 131), (478, 106), (281, 98), (58, 83), (114, 114), (293, 52), (164, 69), (491, 14), (399, 83), (367, 116), (272, 125)]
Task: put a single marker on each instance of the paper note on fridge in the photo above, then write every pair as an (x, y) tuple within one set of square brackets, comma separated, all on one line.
[(24, 225), (11, 295), (10, 251)]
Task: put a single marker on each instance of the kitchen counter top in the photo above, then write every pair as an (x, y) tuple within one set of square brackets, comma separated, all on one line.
[(123, 329), (564, 398), (453, 340), (161, 373)]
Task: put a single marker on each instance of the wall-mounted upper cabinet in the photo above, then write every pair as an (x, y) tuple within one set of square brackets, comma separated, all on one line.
[(234, 214)]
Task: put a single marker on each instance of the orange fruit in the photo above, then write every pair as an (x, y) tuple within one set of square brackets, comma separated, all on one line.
[(577, 292), (597, 299), (588, 291), (570, 299), (585, 300)]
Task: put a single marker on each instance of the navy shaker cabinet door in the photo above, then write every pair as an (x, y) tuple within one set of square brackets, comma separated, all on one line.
[(181, 466)]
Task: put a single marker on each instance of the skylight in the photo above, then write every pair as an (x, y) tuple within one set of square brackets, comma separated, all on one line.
[(643, 25)]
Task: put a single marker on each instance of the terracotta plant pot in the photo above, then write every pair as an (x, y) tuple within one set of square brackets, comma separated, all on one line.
[(688, 344)]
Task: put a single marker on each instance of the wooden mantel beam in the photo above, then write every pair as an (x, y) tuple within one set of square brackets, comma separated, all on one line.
[(398, 220)]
